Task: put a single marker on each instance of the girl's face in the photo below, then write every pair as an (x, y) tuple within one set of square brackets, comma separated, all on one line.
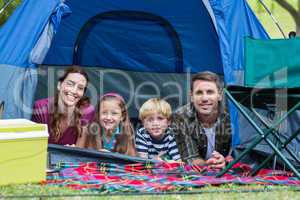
[(71, 89), (110, 114)]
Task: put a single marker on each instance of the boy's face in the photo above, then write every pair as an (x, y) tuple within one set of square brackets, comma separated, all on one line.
[(156, 125)]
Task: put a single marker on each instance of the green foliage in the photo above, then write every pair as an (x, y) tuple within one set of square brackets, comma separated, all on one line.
[(260, 8), (8, 10), (283, 17)]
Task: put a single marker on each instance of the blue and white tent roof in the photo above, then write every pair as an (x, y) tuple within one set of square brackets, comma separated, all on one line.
[(172, 36)]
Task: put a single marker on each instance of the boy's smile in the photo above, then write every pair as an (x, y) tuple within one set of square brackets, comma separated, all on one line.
[(156, 125)]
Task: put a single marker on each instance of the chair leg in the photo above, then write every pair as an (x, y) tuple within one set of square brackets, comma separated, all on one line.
[(257, 141), (239, 157), (287, 141), (276, 134), (263, 136), (286, 161), (283, 146)]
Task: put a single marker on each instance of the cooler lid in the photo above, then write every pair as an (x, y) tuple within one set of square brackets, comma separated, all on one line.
[(21, 128)]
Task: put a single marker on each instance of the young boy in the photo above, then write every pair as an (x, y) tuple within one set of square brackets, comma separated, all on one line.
[(154, 140)]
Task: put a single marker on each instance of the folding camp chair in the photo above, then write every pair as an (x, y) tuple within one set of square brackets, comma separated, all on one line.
[(272, 70)]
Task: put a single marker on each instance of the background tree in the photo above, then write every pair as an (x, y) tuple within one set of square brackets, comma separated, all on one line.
[(294, 12), (8, 10)]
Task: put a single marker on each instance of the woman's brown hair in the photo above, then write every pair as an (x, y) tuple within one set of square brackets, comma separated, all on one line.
[(56, 116), (125, 140)]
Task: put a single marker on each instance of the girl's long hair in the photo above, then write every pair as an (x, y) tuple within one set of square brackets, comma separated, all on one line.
[(125, 140), (56, 115)]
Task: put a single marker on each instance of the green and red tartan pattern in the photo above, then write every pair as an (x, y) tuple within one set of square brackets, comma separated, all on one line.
[(158, 177)]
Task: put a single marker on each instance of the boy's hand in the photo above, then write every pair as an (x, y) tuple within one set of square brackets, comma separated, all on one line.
[(143, 155), (160, 156)]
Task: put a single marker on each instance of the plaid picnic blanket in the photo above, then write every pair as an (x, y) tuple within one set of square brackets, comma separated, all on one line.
[(157, 177)]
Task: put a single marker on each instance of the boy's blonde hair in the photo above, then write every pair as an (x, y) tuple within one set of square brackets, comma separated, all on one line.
[(155, 105)]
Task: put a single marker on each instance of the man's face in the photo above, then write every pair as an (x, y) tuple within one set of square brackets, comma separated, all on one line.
[(205, 97)]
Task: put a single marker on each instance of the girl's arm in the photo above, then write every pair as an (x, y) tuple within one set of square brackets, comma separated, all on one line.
[(82, 138), (94, 141), (89, 139), (131, 147), (98, 144)]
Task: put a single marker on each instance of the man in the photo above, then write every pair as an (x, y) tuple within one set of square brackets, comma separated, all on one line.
[(202, 127)]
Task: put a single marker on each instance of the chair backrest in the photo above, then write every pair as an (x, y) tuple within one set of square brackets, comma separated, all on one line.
[(1, 108), (272, 63)]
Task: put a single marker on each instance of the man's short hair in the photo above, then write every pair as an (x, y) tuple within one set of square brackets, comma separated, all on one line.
[(155, 105), (207, 76)]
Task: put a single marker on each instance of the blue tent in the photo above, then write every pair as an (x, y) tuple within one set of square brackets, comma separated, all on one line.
[(149, 40)]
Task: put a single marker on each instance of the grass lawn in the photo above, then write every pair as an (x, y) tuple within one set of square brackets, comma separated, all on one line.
[(34, 191)]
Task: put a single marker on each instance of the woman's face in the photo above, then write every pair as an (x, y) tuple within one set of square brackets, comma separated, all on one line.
[(71, 89), (110, 114)]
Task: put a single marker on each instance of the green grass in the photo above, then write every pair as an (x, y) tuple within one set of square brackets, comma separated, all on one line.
[(282, 16), (251, 192)]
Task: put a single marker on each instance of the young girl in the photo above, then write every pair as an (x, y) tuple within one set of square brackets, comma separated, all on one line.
[(112, 130), (68, 111)]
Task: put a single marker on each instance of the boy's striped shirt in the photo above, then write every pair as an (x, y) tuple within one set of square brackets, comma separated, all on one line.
[(144, 143)]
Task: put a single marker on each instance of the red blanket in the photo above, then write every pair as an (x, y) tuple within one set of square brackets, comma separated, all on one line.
[(157, 177)]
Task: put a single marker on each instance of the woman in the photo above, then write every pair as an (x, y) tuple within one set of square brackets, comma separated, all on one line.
[(68, 111)]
